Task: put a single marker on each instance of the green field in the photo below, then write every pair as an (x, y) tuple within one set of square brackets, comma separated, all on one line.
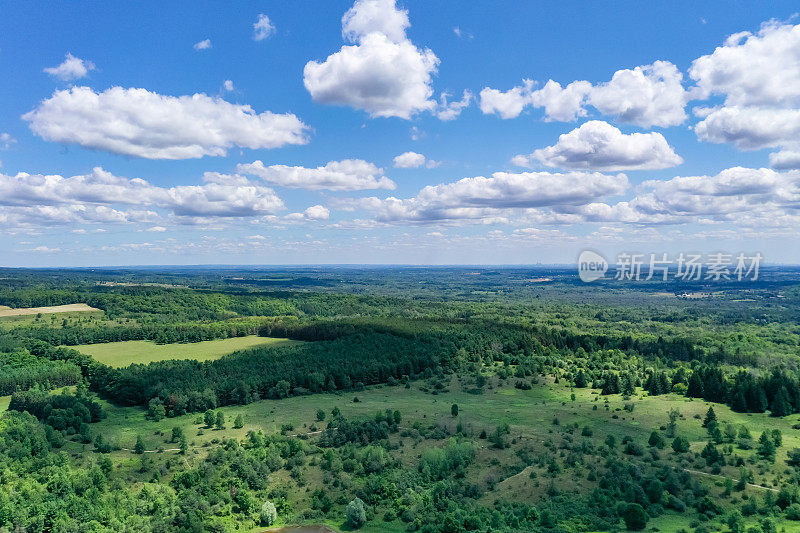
[(121, 354)]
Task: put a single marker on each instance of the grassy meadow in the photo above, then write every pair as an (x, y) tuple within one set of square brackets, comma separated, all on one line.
[(121, 354)]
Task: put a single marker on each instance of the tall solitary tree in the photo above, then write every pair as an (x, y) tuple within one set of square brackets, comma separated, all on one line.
[(711, 416), (356, 513), (766, 448), (139, 446), (268, 514)]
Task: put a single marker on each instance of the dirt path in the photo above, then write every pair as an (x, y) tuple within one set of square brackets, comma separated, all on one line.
[(723, 477)]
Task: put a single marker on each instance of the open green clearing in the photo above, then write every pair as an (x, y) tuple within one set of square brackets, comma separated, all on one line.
[(121, 354)]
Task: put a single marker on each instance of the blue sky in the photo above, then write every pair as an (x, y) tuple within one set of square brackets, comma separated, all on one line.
[(181, 133)]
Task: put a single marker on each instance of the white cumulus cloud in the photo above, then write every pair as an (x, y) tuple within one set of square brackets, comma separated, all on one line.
[(561, 104), (223, 195), (785, 159), (345, 175), (761, 69), (140, 123), (758, 74), (100, 197), (494, 198), (750, 128), (317, 212), (649, 95), (383, 73), (506, 104), (734, 190), (71, 68), (202, 45), (368, 16), (409, 160), (597, 145)]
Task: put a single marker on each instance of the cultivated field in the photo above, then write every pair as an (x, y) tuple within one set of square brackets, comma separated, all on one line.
[(22, 311), (121, 354)]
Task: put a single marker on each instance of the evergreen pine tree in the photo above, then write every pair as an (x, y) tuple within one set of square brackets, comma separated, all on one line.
[(711, 416), (139, 446), (780, 403)]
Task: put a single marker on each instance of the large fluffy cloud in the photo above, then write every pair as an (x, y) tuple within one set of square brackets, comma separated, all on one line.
[(223, 195), (100, 196), (597, 145), (761, 69), (37, 216), (345, 175), (649, 95), (750, 128), (758, 75), (140, 123), (525, 189), (98, 186), (745, 197), (733, 190), (492, 198), (740, 195), (383, 73)]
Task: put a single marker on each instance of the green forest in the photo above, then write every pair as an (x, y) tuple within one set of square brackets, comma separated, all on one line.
[(435, 400)]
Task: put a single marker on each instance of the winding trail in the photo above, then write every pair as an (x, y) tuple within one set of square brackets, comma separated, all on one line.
[(723, 477)]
